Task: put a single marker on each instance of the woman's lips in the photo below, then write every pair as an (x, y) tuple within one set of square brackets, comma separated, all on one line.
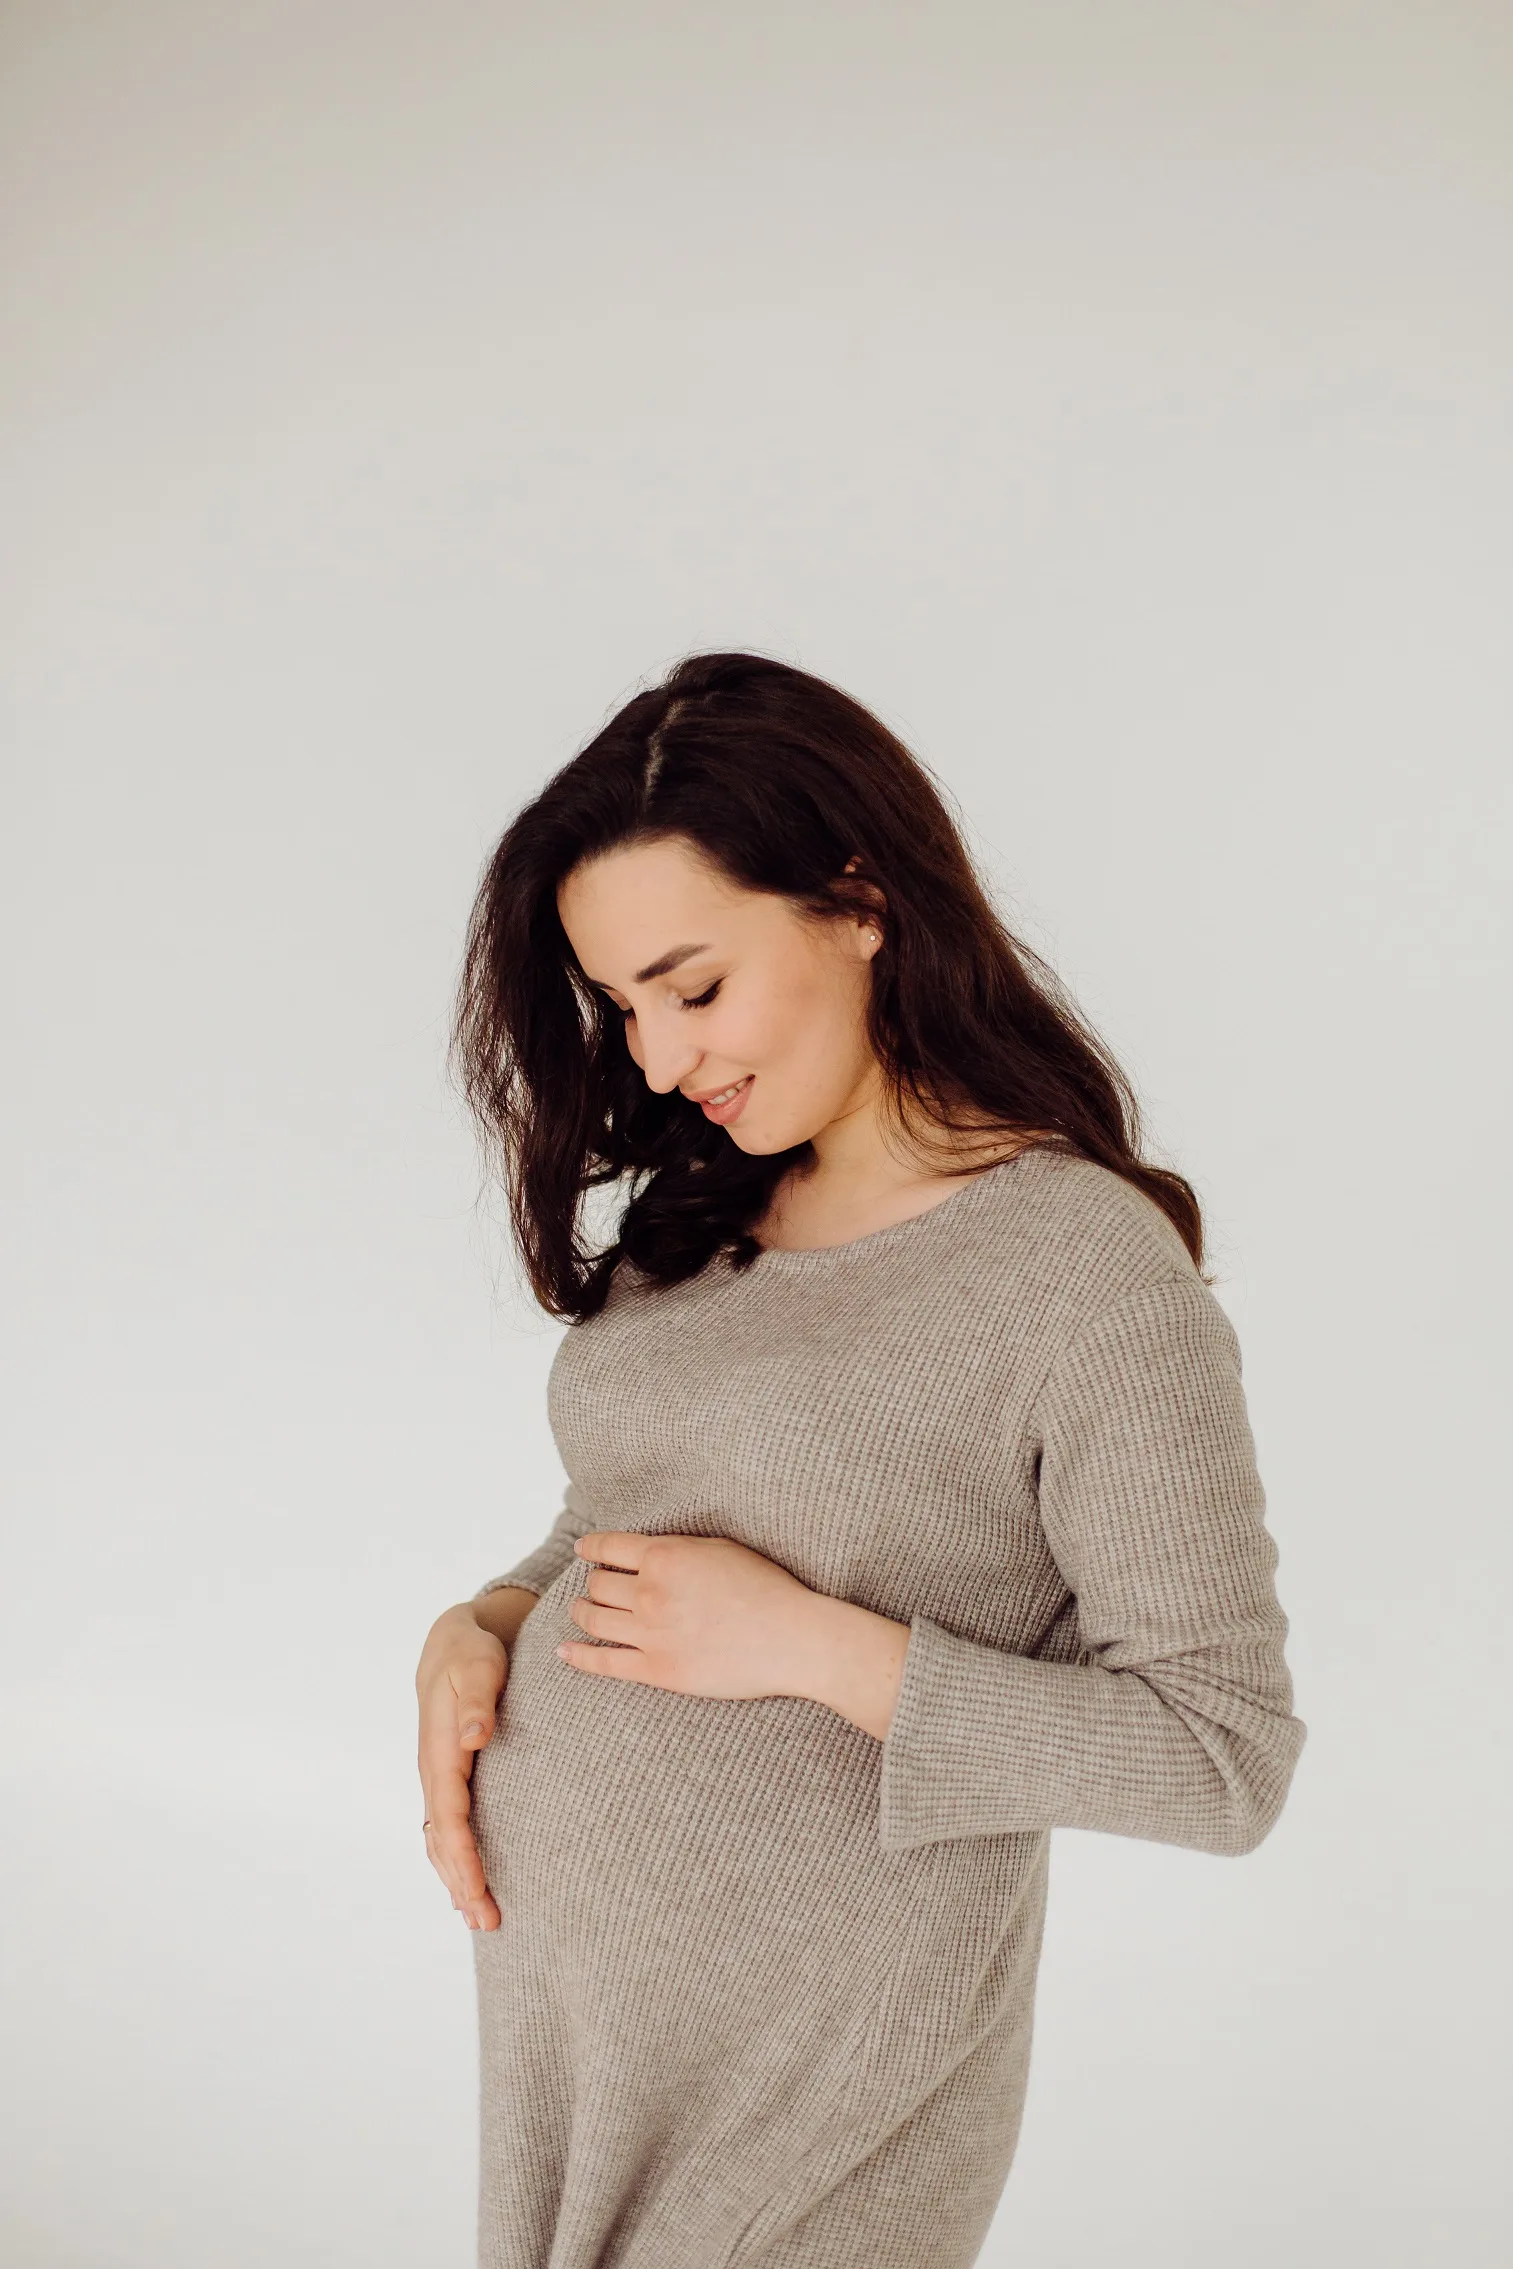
[(723, 1113)]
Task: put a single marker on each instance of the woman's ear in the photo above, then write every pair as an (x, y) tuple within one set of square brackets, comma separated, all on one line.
[(871, 906), (870, 933)]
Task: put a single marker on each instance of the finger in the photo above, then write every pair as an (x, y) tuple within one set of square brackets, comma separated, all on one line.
[(454, 1855), (476, 1690), (447, 1859), (445, 1773), (447, 1809), (604, 1622), (462, 1871), (611, 1587), (484, 1915), (621, 1548), (476, 1719), (442, 1758), (458, 1714), (605, 1662), (450, 1843)]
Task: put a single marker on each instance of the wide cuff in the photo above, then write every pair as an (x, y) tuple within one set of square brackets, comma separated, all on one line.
[(984, 1742), (948, 1725), (988, 1743)]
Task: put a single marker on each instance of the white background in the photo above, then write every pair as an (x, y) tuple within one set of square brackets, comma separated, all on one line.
[(1116, 399)]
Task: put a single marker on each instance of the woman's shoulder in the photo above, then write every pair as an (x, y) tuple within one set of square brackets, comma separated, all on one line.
[(1086, 1236)]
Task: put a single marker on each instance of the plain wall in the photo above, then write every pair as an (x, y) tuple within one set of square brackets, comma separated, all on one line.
[(1116, 399)]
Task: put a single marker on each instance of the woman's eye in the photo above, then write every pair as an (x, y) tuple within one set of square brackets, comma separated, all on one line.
[(701, 1000)]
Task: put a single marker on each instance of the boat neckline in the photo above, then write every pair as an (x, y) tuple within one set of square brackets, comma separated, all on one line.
[(773, 1257)]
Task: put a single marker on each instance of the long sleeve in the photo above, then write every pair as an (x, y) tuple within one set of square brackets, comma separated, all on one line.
[(539, 1570), (1180, 1729)]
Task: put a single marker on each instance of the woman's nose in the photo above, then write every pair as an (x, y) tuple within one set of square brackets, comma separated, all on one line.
[(666, 1060)]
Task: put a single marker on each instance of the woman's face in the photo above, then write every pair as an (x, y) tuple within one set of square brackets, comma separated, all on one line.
[(721, 985)]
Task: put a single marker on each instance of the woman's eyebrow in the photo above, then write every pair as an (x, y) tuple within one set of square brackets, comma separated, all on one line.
[(667, 962)]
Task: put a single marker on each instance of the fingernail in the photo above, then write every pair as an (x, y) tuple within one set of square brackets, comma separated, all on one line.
[(474, 1725), (563, 1652)]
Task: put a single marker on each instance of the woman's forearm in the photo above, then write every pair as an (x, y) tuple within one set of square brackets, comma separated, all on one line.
[(503, 1611)]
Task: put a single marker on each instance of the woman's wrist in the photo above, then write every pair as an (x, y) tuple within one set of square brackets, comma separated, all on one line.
[(854, 1662)]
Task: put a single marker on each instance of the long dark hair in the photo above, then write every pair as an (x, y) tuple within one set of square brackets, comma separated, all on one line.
[(786, 785)]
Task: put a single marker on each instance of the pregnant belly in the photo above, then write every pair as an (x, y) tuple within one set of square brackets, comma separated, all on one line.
[(633, 1834), (696, 1888), (697, 1884), (603, 1797)]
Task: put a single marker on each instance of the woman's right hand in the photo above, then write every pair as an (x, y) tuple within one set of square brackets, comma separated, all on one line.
[(463, 1668)]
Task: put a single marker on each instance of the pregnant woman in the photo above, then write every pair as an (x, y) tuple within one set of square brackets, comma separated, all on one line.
[(912, 1508)]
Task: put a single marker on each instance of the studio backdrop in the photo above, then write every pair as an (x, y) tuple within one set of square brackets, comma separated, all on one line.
[(1114, 397)]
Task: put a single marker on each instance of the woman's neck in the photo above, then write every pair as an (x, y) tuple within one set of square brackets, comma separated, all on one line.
[(859, 1181)]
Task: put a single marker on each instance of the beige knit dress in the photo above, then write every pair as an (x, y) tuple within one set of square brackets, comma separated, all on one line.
[(764, 1985)]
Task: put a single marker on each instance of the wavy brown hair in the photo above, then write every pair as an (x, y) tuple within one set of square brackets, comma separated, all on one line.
[(786, 785)]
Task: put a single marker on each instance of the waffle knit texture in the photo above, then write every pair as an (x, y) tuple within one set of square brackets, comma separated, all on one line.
[(763, 1990)]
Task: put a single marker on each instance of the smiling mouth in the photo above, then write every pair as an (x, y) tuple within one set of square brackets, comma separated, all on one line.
[(726, 1093)]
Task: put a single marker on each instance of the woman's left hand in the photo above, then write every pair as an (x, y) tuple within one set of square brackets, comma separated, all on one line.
[(705, 1615)]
